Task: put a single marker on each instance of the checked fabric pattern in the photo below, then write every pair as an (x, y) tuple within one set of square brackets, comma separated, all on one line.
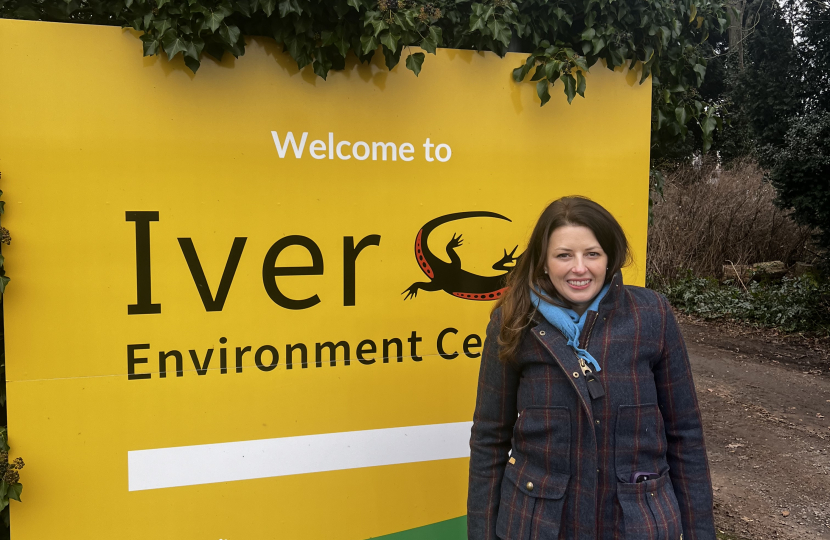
[(549, 463)]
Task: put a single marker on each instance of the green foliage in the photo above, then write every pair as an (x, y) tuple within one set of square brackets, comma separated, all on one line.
[(80, 11), (667, 39), (735, 141), (10, 486), (566, 38), (679, 72), (769, 88), (757, 86), (801, 172), (779, 106), (793, 305), (815, 52)]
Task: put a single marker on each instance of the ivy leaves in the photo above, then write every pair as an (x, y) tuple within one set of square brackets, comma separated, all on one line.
[(10, 486), (491, 24), (414, 62), (313, 32), (554, 62), (567, 38), (189, 28), (395, 25), (678, 70), (664, 39)]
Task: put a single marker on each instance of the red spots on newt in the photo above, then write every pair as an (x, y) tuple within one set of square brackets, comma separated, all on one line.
[(495, 295), (419, 254)]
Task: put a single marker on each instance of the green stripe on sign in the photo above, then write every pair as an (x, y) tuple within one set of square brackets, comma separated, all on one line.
[(452, 529)]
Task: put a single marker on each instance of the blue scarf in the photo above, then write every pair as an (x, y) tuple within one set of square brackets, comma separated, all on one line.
[(569, 322)]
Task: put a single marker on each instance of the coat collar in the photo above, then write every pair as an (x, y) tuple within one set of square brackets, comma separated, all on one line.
[(615, 295)]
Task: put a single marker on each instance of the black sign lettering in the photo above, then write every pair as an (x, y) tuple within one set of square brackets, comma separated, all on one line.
[(270, 271), (210, 302), (144, 304), (350, 253)]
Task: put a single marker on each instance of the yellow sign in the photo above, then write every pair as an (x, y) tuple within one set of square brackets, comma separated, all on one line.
[(250, 303)]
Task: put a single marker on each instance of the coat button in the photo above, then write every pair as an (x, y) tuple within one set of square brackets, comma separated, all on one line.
[(597, 422), (529, 486), (576, 375), (541, 332)]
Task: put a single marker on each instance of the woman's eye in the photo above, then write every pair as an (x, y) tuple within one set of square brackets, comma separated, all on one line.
[(562, 256)]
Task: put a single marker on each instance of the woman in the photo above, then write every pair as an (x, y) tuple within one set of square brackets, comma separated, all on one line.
[(586, 423)]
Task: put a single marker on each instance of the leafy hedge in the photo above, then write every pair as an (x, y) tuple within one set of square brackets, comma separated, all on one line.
[(667, 37), (792, 305)]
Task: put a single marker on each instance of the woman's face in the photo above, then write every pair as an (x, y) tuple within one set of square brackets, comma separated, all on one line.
[(576, 265)]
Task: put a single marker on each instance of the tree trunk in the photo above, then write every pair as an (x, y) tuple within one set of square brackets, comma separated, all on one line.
[(736, 30)]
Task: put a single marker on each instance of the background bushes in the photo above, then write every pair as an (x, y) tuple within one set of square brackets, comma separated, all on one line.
[(710, 215)]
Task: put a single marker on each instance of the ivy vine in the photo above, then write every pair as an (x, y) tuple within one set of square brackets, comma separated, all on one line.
[(10, 486)]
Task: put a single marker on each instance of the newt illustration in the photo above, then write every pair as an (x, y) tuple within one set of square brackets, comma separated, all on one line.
[(449, 276)]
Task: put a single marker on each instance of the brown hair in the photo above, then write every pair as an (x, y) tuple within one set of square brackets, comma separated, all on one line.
[(529, 272)]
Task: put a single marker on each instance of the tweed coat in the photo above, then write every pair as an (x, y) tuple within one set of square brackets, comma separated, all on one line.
[(548, 462)]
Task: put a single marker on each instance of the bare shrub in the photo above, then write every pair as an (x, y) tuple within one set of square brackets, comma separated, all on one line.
[(710, 216)]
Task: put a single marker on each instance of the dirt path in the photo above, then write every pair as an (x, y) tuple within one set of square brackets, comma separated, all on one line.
[(766, 413)]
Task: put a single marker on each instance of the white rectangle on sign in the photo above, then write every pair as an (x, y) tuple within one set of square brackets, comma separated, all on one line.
[(245, 460)]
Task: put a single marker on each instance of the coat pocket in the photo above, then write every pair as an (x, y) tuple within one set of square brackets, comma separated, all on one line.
[(650, 510), (531, 502), (640, 441)]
